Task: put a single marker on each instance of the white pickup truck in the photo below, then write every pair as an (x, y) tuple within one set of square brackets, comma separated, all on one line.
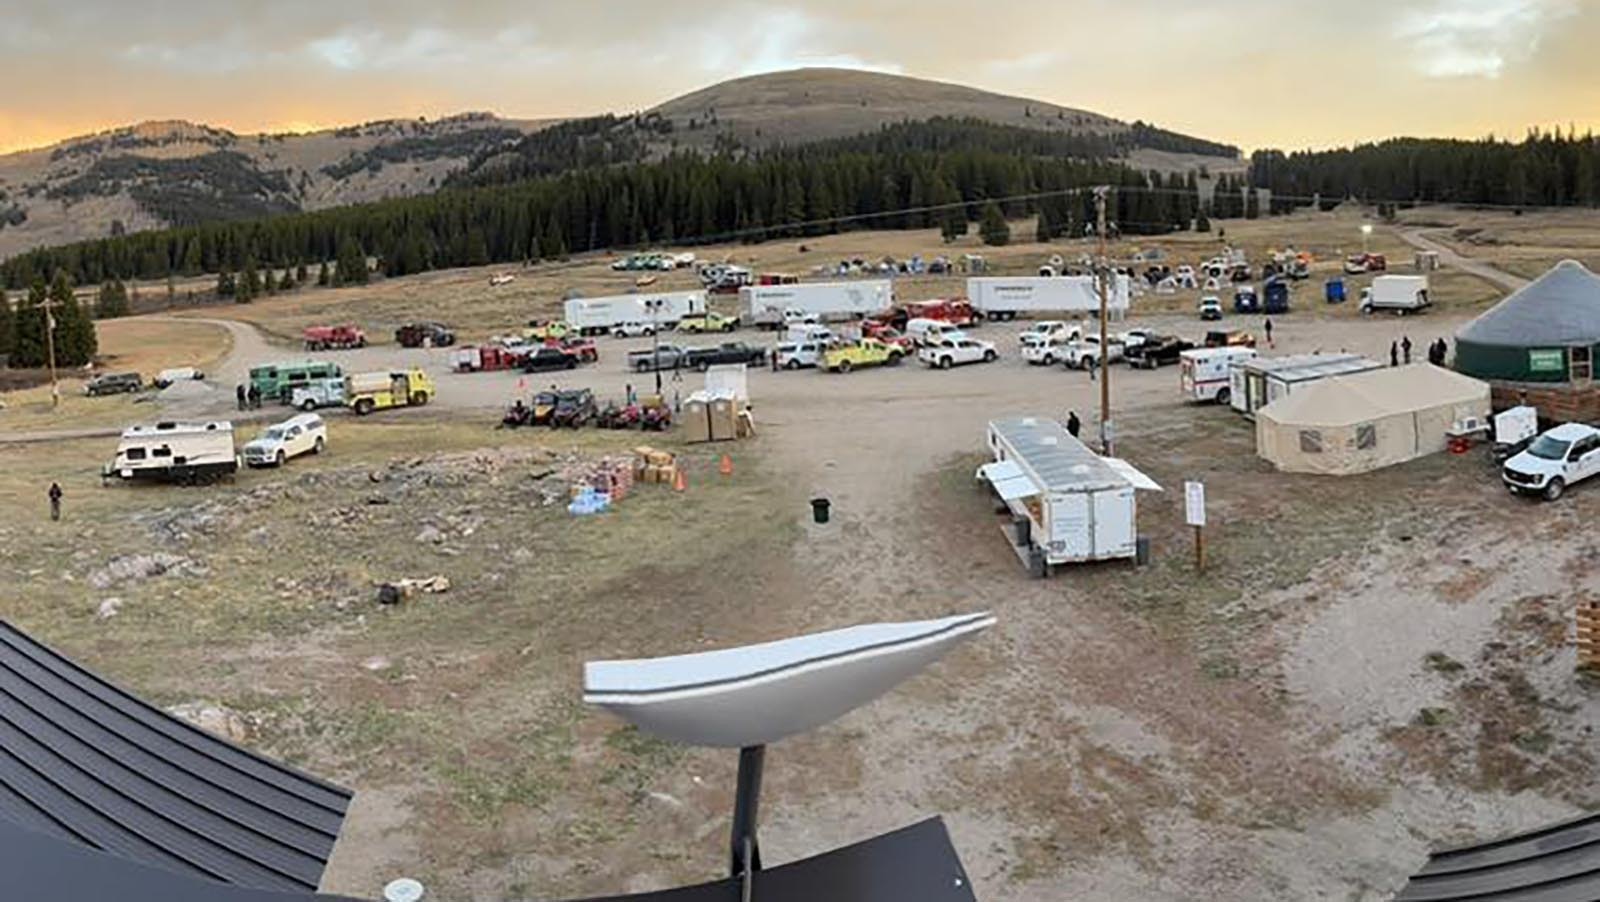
[(1045, 350), (1084, 353), (948, 352), (1555, 460)]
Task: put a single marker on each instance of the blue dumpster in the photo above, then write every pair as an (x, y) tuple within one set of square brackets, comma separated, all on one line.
[(1333, 290)]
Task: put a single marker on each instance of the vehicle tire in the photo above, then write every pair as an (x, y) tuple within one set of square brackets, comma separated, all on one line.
[(1554, 489), (363, 407), (619, 334), (641, 367), (728, 327), (894, 359), (419, 398), (946, 363), (308, 405), (702, 365), (989, 356), (845, 366), (571, 363), (1049, 360), (1224, 396), (793, 364), (320, 444), (279, 459)]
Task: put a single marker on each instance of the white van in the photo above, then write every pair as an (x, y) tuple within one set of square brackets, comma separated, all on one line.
[(1205, 374), (925, 332), (794, 355), (300, 434)]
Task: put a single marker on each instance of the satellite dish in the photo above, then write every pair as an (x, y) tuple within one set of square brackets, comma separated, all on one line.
[(757, 694), (403, 890)]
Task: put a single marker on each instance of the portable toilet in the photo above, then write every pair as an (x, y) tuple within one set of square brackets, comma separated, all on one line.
[(1276, 296), (1245, 300), (1333, 291)]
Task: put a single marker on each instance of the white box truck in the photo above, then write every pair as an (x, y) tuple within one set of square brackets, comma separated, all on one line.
[(1206, 374), (599, 316), (1067, 503), (185, 453), (1004, 297), (763, 306), (1396, 294)]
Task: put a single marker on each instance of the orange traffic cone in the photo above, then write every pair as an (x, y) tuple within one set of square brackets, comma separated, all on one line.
[(680, 482), (726, 467)]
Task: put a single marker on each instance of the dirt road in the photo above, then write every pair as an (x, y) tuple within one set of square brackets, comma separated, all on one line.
[(1419, 239)]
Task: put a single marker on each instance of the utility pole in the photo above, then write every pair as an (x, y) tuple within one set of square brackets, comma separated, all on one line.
[(49, 307), (1104, 284)]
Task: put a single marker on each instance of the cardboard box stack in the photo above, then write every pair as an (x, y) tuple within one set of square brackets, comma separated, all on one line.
[(651, 465)]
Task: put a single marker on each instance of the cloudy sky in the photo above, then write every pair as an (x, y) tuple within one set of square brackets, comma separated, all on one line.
[(1253, 72)]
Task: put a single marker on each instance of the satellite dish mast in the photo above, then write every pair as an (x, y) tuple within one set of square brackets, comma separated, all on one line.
[(750, 696)]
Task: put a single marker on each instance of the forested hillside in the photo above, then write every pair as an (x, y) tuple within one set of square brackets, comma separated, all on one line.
[(1544, 169), (683, 198)]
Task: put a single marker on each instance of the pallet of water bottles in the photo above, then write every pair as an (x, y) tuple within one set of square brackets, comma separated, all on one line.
[(606, 482)]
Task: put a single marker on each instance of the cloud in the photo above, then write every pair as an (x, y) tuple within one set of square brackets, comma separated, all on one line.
[(1479, 38)]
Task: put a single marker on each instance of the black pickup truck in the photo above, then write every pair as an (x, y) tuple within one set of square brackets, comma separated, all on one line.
[(1158, 350), (703, 359)]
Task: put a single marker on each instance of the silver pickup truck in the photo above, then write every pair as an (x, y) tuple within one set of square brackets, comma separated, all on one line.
[(665, 357)]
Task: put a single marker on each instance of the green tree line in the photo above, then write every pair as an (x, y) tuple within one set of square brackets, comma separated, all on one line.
[(1543, 169)]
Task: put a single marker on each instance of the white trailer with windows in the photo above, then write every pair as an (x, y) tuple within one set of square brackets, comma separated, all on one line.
[(766, 306), (1255, 383), (1003, 297), (601, 316), (185, 453), (1206, 374), (1067, 503)]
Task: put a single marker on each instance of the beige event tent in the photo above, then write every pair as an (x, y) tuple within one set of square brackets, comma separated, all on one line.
[(1361, 422)]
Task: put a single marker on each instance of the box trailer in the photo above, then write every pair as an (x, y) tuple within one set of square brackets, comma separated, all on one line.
[(1396, 294), (1067, 504), (1000, 298), (185, 453), (598, 316), (1206, 374), (763, 306), (1254, 384)]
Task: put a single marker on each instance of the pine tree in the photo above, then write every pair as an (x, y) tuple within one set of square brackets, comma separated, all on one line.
[(112, 301), (992, 227), (1044, 229), (323, 279), (1252, 204), (300, 273), (1202, 222), (8, 326), (269, 281), (249, 283), (76, 343), (352, 263), (226, 286), (28, 348)]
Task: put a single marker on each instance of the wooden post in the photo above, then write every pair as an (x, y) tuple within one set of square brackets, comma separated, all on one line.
[(1200, 548)]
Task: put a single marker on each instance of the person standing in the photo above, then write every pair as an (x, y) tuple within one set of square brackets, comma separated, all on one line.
[(1405, 347), (55, 500), (254, 397), (238, 393), (632, 398), (1267, 326), (1073, 424), (1394, 353)]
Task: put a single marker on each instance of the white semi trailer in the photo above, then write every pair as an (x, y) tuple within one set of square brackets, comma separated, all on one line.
[(1004, 297), (599, 316), (764, 305)]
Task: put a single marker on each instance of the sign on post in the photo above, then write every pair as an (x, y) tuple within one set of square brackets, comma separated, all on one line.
[(1194, 513), (1194, 503)]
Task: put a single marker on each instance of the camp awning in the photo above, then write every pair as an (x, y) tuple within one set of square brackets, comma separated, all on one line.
[(1135, 477), (1008, 480)]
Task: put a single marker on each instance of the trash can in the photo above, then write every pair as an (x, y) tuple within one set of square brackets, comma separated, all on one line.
[(819, 510), (1141, 551), (1037, 567)]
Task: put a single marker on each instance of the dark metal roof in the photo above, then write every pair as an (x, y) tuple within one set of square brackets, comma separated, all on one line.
[(913, 863), (1560, 863), (1558, 309), (86, 762)]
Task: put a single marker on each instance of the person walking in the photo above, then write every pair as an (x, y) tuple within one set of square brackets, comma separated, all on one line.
[(1267, 326), (632, 398), (1073, 424), (1394, 353), (55, 500), (1405, 347), (238, 394)]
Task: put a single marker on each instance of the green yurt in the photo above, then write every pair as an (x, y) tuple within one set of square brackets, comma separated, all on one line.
[(1546, 331)]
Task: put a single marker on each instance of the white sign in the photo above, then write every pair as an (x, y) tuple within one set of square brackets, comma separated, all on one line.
[(1194, 503)]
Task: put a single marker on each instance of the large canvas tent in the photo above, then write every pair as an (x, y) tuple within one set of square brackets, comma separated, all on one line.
[(1547, 331), (1361, 422)]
